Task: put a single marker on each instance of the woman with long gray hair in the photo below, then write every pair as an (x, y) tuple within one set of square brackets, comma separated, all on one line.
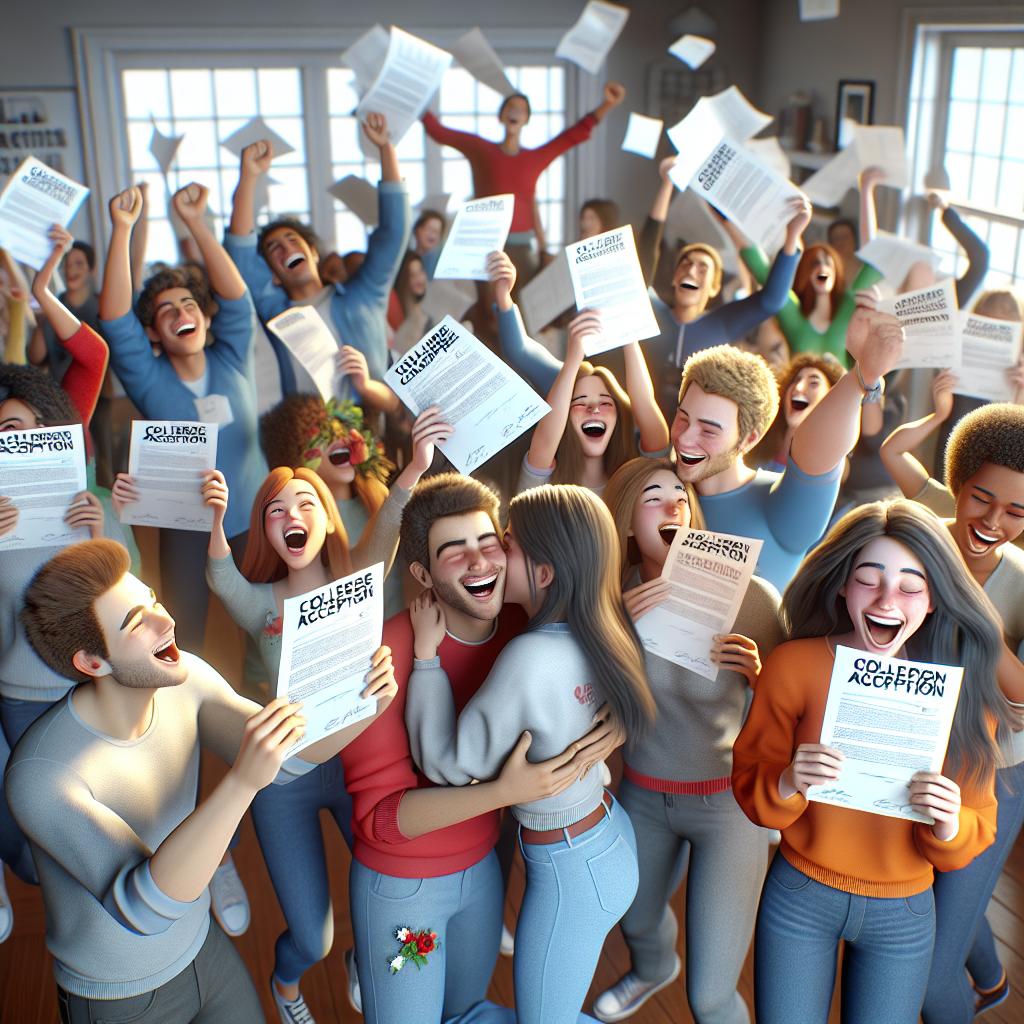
[(887, 580), (579, 650)]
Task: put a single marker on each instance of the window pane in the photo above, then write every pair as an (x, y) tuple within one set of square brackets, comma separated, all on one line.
[(235, 90), (983, 181), (279, 91), (995, 74), (191, 93), (1002, 246), (1011, 188), (145, 93), (962, 121), (966, 73), (1015, 133), (991, 118)]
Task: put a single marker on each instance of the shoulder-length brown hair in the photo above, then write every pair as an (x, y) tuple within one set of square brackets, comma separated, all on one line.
[(621, 446), (621, 495), (262, 564), (964, 628), (570, 529), (803, 287)]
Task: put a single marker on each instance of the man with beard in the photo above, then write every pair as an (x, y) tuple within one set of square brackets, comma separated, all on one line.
[(447, 881), (104, 787), (728, 399)]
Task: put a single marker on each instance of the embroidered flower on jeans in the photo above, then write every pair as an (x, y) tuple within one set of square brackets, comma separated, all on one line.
[(415, 947)]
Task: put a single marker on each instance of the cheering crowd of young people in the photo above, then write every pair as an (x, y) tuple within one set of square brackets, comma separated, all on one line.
[(511, 668)]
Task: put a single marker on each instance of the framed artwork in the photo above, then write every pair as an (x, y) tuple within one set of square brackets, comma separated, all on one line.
[(855, 104)]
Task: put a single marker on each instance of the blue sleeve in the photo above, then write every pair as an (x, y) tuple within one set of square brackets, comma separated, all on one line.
[(268, 298), (799, 506), (735, 319), (384, 251), (131, 356), (234, 328), (430, 259), (527, 357), (138, 903)]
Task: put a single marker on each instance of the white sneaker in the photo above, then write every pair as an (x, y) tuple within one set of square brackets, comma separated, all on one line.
[(6, 910), (625, 998), (355, 997), (230, 903), (508, 942), (294, 1011)]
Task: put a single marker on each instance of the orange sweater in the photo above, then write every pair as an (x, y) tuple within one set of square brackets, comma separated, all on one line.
[(861, 853)]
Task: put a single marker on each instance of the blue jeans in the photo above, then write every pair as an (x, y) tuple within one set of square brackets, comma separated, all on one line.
[(962, 934), (799, 927), (15, 718), (576, 891), (287, 821), (464, 908)]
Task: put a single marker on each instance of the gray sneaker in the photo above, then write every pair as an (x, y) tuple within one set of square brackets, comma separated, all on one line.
[(294, 1011), (625, 998), (355, 997)]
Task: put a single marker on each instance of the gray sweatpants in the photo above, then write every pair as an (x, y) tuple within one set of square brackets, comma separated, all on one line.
[(728, 856), (214, 989)]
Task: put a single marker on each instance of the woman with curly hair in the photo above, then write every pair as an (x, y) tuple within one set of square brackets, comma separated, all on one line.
[(886, 580)]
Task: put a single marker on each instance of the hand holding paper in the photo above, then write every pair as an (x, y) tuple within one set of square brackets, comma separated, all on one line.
[(481, 226)]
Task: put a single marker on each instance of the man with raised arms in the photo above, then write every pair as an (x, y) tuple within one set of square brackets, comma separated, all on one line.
[(104, 787)]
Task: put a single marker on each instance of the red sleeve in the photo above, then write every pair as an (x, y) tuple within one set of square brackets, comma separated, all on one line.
[(464, 142), (378, 764), (572, 136), (84, 378)]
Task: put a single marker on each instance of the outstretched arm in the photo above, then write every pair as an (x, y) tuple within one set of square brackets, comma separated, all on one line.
[(614, 94), (140, 236), (897, 449), (868, 180), (648, 417), (977, 251), (190, 205), (61, 319), (254, 162), (116, 295)]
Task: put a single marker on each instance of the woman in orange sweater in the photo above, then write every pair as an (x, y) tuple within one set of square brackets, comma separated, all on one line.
[(886, 580)]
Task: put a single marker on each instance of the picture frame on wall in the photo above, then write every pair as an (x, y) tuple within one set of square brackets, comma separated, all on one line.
[(855, 104)]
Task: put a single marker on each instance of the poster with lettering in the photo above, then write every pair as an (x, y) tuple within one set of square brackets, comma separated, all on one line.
[(606, 277), (990, 349), (41, 472), (487, 404), (42, 121), (709, 573), (328, 638), (890, 718), (168, 461), (36, 198), (480, 227), (931, 326)]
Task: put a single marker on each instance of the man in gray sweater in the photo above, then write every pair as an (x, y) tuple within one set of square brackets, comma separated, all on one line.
[(104, 787)]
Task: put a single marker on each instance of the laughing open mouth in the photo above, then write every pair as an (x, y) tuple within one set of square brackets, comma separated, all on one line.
[(667, 532), (295, 538), (481, 588), (294, 260), (689, 285), (339, 457), (185, 329), (690, 460), (594, 428), (798, 403), (980, 542), (822, 277), (882, 630), (169, 653)]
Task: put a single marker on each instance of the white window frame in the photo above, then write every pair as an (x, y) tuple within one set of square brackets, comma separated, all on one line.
[(100, 54)]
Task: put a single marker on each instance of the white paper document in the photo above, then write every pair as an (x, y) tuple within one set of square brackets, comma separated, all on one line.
[(643, 134), (692, 50), (480, 227), (709, 573), (477, 56), (931, 326), (588, 42), (753, 196), (547, 295), (34, 199), (309, 339), (893, 256), (827, 185), (252, 131), (366, 56), (883, 146), (890, 718), (411, 74), (606, 277), (359, 196), (163, 147), (990, 348), (818, 10), (726, 115), (486, 403), (328, 639), (41, 471), (168, 460), (770, 152)]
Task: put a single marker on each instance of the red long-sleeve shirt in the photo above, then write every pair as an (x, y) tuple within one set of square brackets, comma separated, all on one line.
[(496, 172), (379, 768), (84, 378)]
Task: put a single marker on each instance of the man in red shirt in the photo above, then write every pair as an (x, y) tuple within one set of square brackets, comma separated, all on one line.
[(423, 856)]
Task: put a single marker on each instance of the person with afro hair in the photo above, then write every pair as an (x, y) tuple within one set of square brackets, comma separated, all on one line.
[(983, 500)]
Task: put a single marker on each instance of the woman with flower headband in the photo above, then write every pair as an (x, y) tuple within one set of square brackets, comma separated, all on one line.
[(333, 440), (297, 543)]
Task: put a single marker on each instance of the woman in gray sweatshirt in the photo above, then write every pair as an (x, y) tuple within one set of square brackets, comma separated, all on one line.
[(579, 651)]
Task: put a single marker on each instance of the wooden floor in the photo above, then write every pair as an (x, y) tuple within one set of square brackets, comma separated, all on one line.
[(27, 992)]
